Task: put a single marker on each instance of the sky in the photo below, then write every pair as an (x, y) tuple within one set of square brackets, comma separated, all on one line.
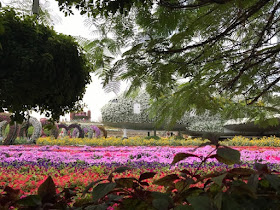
[(95, 97)]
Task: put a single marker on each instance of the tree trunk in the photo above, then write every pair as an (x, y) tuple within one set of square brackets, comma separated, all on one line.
[(35, 7)]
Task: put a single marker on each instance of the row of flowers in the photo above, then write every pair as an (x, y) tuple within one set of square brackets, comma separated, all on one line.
[(53, 155), (28, 177), (140, 141), (26, 167), (271, 141), (117, 141)]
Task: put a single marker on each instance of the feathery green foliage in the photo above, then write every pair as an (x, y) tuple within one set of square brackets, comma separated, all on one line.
[(225, 52)]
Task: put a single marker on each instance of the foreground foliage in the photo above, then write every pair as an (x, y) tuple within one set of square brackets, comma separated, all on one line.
[(182, 187), (224, 51), (235, 189)]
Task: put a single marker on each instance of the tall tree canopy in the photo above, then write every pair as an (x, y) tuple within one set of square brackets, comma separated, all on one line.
[(225, 52), (39, 69)]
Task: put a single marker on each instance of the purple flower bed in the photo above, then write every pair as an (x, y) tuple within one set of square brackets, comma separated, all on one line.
[(140, 155)]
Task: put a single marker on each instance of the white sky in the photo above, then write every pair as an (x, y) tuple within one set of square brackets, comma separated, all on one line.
[(95, 97)]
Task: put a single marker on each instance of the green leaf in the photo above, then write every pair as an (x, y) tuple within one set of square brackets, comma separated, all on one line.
[(97, 207), (183, 207), (113, 197), (262, 168), (253, 182), (118, 170), (121, 169), (185, 171), (181, 156), (228, 156), (183, 184), (264, 183), (167, 180), (156, 194), (31, 200), (242, 189), (162, 196), (200, 203), (274, 181), (229, 203), (192, 192), (147, 175), (90, 186), (242, 171), (218, 200), (135, 204), (144, 183), (125, 182), (214, 188), (160, 204), (2, 29), (101, 190), (219, 179), (47, 188), (12, 194)]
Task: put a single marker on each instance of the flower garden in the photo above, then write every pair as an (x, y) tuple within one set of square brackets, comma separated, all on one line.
[(78, 167), (210, 69), (75, 167)]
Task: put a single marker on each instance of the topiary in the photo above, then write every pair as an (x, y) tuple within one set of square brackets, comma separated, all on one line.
[(103, 130), (13, 128), (50, 127), (36, 132), (79, 133)]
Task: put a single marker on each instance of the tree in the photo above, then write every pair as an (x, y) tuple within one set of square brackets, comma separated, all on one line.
[(40, 9), (40, 69), (226, 52)]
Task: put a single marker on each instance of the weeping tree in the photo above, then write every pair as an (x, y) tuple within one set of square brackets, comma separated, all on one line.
[(224, 52), (40, 69)]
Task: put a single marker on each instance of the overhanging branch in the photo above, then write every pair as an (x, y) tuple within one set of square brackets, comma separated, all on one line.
[(265, 90), (240, 20)]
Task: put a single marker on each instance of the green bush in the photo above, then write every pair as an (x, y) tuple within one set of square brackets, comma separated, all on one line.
[(153, 137)]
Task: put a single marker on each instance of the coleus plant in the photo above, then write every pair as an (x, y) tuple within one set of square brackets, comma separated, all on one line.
[(238, 188), (46, 197)]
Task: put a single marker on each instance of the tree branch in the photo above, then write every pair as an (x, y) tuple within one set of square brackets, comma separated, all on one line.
[(182, 6), (201, 3), (241, 19), (265, 90), (269, 22)]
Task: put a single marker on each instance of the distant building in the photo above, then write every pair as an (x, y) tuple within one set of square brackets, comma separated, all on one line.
[(80, 116)]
